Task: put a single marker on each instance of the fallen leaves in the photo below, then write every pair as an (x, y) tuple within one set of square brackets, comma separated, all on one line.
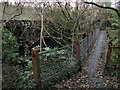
[(91, 77)]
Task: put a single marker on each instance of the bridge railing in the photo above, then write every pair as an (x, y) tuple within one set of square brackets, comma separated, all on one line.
[(57, 63), (87, 44), (111, 57)]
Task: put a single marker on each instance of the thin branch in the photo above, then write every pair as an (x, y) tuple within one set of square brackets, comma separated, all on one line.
[(4, 7), (58, 32), (68, 12), (53, 37), (107, 7), (63, 11), (41, 33), (18, 13), (84, 10), (15, 14)]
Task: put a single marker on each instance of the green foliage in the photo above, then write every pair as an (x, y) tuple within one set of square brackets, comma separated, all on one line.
[(113, 36), (60, 28), (17, 77), (53, 64), (29, 65), (25, 79), (9, 46), (10, 54), (114, 57), (54, 61), (114, 19)]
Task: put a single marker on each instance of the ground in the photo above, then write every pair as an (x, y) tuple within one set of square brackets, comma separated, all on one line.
[(92, 75)]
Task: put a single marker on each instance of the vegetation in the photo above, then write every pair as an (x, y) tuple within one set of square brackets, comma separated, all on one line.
[(63, 25), (114, 58), (9, 46)]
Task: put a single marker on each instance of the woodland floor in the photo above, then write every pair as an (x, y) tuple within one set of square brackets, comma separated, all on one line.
[(92, 75)]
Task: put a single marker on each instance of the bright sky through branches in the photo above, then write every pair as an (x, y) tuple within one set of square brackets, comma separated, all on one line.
[(113, 1), (58, 0)]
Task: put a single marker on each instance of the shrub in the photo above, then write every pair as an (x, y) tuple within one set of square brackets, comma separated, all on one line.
[(9, 46)]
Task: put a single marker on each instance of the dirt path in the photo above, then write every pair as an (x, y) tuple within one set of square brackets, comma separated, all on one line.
[(89, 77), (93, 63), (95, 58)]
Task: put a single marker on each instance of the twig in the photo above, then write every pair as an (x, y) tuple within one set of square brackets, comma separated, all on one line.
[(63, 11)]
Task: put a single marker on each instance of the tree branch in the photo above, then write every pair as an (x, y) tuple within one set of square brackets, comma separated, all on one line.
[(63, 11), (21, 8), (68, 12), (111, 8)]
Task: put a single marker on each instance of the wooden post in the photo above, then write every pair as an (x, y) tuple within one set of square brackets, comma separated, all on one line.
[(36, 67)]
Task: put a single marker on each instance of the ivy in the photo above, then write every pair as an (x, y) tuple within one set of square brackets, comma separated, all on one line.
[(9, 46)]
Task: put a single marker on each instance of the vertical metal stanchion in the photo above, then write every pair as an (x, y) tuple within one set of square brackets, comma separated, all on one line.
[(119, 40), (77, 48), (36, 67), (109, 53)]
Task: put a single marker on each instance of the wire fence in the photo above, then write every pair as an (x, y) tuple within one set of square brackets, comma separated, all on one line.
[(87, 44), (105, 48), (111, 57), (25, 21), (58, 63)]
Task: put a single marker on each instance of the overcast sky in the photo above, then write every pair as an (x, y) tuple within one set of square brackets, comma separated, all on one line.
[(57, 0)]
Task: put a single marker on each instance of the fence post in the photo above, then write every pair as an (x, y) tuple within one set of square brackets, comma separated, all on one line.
[(109, 53), (87, 45), (36, 67), (77, 47)]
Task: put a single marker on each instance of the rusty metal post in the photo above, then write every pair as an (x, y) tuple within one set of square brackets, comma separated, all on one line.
[(109, 53), (36, 67), (107, 32), (108, 56), (87, 45), (77, 48)]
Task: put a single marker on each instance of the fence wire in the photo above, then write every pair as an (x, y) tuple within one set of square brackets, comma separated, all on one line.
[(24, 20), (58, 61)]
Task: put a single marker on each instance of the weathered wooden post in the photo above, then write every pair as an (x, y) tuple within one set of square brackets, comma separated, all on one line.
[(36, 67)]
